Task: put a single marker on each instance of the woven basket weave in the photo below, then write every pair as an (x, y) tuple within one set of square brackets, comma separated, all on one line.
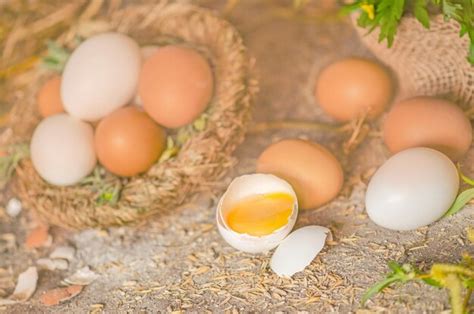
[(203, 159), (427, 61)]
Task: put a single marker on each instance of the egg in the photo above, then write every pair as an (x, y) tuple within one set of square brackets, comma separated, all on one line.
[(260, 226), (62, 149), (49, 98), (101, 76), (129, 142), (313, 171), (413, 188), (176, 86), (428, 122), (298, 249), (146, 52), (352, 87)]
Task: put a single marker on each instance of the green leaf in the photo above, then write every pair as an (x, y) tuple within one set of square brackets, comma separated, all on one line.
[(395, 267), (468, 283), (388, 14), (421, 13), (432, 282), (56, 57), (462, 199), (465, 178), (378, 287)]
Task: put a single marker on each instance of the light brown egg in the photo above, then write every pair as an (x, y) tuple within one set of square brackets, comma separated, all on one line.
[(49, 98), (313, 171), (128, 142), (175, 86), (428, 122), (352, 87)]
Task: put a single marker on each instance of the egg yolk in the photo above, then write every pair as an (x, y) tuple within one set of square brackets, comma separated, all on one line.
[(262, 214)]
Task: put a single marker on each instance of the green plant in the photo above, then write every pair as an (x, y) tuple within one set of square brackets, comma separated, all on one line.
[(464, 197), (386, 15), (458, 279)]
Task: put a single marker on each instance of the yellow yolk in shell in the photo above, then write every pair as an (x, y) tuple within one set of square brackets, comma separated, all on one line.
[(260, 215)]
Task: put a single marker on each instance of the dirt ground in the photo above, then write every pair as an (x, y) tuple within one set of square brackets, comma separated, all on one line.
[(180, 262)]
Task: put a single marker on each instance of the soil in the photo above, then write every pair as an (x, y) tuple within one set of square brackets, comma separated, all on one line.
[(180, 262)]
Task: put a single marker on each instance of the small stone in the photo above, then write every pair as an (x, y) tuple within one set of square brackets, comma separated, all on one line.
[(14, 207)]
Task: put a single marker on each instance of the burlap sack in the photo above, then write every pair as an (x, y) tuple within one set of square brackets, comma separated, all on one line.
[(427, 61)]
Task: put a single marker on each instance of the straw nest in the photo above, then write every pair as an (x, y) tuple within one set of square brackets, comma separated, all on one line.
[(202, 160)]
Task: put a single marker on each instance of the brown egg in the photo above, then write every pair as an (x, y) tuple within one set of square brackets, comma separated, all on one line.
[(175, 86), (128, 142), (315, 174), (49, 98), (428, 122), (353, 87)]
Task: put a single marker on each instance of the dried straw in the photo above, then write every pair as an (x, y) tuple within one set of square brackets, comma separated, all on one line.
[(204, 158)]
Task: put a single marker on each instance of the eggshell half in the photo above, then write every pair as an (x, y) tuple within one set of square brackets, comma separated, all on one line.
[(298, 250), (249, 185)]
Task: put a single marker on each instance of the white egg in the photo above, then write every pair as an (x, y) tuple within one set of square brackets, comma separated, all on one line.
[(413, 188), (246, 186), (62, 149), (100, 76), (298, 250)]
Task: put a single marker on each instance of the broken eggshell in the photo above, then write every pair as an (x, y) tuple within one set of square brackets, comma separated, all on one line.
[(298, 250), (246, 186)]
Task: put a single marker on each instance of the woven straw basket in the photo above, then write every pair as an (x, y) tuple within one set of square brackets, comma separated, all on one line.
[(203, 159), (427, 61)]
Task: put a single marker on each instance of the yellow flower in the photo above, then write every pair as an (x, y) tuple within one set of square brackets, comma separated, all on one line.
[(369, 9)]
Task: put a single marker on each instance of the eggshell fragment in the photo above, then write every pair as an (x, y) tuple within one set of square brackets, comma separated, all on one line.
[(101, 76), (176, 85), (83, 277), (428, 122), (298, 250), (38, 237), (49, 98), (63, 252), (352, 87), (413, 188), (26, 285), (52, 264), (245, 186), (62, 149), (313, 171), (58, 295)]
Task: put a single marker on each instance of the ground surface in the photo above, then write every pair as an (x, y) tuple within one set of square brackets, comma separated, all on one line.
[(180, 262)]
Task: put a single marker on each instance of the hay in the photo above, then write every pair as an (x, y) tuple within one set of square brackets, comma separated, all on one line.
[(427, 61), (202, 160)]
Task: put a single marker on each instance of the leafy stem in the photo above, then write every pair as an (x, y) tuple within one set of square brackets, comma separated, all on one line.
[(386, 15), (457, 279)]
